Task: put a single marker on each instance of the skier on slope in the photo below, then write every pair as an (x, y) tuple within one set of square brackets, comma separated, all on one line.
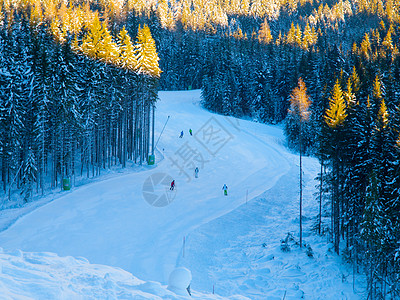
[(190, 131), (196, 172), (181, 136), (172, 185), (225, 188)]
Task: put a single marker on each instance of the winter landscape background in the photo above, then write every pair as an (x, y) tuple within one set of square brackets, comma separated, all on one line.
[(232, 243), (292, 103)]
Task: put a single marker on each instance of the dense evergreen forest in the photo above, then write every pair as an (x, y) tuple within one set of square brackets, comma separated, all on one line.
[(74, 99), (76, 96)]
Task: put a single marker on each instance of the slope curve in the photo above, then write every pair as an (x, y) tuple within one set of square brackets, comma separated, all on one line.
[(109, 222)]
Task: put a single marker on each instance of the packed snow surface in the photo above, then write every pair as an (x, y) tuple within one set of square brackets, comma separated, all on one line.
[(134, 226)]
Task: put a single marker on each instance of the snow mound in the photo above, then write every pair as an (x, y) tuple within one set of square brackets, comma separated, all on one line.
[(179, 280), (45, 275)]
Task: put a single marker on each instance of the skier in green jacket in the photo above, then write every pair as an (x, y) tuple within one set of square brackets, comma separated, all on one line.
[(225, 188)]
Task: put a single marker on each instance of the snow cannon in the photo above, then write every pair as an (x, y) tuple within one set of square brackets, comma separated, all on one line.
[(179, 281)]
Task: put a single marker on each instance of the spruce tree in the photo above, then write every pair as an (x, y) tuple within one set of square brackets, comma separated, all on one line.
[(299, 110), (335, 116)]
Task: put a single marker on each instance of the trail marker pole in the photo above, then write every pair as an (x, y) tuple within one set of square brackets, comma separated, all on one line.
[(12, 182), (152, 136), (161, 132), (183, 248)]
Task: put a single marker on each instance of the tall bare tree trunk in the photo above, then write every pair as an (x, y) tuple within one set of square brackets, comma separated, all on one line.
[(301, 189)]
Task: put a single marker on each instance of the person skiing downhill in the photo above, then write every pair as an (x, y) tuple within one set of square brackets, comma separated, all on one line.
[(225, 188), (181, 136), (190, 131), (172, 185), (196, 172)]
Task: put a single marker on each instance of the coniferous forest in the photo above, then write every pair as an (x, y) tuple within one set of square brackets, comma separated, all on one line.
[(75, 99), (79, 81)]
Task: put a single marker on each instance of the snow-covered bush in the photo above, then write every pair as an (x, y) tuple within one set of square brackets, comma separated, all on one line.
[(286, 243)]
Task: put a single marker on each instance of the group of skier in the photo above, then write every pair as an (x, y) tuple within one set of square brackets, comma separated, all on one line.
[(190, 132), (196, 170), (196, 175)]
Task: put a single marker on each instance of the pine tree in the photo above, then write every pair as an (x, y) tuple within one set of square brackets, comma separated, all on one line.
[(244, 7), (372, 233), (29, 175), (366, 46), (298, 36), (257, 8), (264, 34), (290, 37), (99, 44), (390, 11), (164, 15), (299, 110), (92, 41), (58, 34), (127, 58), (147, 66), (307, 37), (63, 111), (108, 50), (146, 53), (335, 116)]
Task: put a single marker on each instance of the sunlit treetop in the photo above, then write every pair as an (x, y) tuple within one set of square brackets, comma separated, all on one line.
[(355, 80), (300, 102), (89, 30), (146, 53), (264, 34), (56, 30), (348, 94), (377, 88), (74, 18), (336, 114), (388, 41), (366, 46), (383, 115), (127, 55)]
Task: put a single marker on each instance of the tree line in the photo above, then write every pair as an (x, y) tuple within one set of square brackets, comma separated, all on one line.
[(71, 104), (354, 131)]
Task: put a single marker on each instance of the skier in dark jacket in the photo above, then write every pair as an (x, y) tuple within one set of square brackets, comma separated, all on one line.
[(172, 185)]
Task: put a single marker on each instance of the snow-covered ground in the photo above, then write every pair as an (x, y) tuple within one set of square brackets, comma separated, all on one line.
[(133, 225)]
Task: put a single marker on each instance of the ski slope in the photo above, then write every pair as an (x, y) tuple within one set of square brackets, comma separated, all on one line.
[(135, 223)]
